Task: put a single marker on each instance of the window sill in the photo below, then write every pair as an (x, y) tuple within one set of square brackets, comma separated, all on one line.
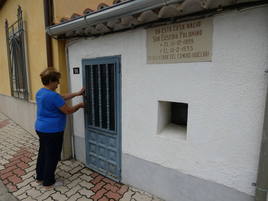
[(173, 131)]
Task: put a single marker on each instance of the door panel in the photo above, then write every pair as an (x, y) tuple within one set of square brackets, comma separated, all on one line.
[(103, 115)]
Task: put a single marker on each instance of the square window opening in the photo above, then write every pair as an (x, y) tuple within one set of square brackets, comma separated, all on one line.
[(172, 119)]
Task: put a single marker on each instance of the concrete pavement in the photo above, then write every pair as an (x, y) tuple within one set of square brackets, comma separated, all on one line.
[(4, 194), (17, 171)]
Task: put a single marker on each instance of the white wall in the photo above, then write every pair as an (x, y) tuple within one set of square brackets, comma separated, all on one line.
[(226, 99), (22, 112)]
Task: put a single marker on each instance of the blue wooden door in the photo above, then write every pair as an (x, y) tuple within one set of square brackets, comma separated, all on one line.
[(102, 81)]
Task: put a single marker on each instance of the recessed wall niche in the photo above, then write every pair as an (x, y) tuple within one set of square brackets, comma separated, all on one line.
[(172, 119)]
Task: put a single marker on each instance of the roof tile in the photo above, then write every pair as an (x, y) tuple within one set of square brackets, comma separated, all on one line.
[(64, 19), (102, 6), (87, 11), (117, 1), (75, 15)]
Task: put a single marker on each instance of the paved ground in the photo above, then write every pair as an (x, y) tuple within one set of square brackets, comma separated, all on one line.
[(5, 195), (18, 150)]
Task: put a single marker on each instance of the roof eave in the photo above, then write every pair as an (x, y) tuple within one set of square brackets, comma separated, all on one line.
[(134, 13), (126, 8)]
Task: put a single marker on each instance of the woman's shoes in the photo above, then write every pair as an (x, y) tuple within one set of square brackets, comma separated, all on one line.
[(39, 182), (58, 183)]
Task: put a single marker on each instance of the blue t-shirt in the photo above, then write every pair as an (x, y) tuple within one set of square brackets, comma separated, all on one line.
[(49, 118)]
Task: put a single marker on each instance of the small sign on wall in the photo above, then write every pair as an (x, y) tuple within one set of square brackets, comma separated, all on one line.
[(76, 70), (189, 41)]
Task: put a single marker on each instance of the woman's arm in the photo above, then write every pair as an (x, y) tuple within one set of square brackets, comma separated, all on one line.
[(72, 95), (71, 109)]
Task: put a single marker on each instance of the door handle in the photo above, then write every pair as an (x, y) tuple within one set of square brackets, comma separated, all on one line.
[(85, 97)]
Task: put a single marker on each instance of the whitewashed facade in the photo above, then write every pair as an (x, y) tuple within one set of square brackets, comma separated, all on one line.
[(216, 158)]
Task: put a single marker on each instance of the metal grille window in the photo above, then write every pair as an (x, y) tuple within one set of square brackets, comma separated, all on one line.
[(15, 34), (102, 102)]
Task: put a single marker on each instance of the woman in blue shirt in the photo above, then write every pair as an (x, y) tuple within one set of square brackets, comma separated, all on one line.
[(50, 124)]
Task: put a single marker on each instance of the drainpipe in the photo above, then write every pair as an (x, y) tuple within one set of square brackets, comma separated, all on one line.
[(262, 178), (48, 12), (70, 117)]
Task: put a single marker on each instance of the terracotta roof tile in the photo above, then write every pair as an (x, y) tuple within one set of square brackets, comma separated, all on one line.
[(87, 11), (64, 19), (102, 6), (75, 15), (117, 1)]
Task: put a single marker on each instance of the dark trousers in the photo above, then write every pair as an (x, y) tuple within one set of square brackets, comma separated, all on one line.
[(50, 145)]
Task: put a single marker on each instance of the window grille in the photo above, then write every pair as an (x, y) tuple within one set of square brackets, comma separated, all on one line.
[(102, 101), (16, 52)]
